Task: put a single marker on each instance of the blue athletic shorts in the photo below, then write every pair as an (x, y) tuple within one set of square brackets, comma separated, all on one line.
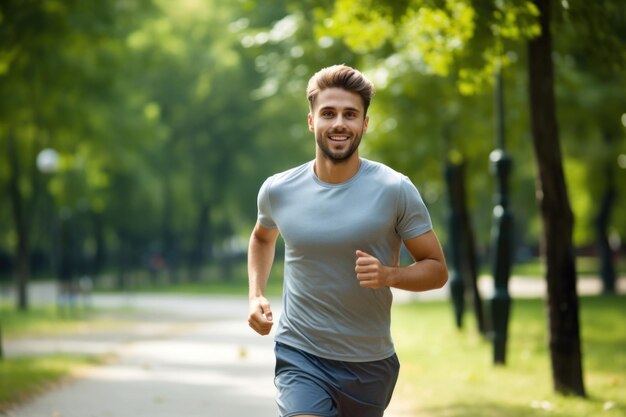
[(308, 384)]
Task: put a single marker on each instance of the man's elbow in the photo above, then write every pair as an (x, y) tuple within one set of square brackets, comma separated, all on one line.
[(441, 275)]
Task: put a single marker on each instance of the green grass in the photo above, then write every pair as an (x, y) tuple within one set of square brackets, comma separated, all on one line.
[(48, 320), (24, 377), (215, 284), (449, 373), (586, 266)]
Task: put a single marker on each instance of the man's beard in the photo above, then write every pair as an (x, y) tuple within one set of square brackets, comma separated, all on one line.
[(338, 156)]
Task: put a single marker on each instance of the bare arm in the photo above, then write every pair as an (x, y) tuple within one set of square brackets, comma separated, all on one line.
[(261, 251), (428, 272)]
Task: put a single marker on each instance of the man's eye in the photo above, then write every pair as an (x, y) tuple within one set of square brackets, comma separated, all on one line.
[(327, 114)]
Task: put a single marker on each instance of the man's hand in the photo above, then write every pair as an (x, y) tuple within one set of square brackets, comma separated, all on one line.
[(260, 315), (370, 272)]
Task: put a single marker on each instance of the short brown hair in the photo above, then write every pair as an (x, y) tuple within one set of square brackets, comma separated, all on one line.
[(340, 76)]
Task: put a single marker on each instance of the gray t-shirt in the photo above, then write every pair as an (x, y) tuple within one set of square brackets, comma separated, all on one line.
[(325, 311)]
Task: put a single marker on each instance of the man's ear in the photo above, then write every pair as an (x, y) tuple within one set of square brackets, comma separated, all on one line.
[(310, 120), (365, 123)]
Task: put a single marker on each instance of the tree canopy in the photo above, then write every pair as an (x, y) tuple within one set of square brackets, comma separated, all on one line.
[(168, 116)]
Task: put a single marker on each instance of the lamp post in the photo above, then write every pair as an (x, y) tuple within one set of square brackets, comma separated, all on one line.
[(48, 164), (501, 236)]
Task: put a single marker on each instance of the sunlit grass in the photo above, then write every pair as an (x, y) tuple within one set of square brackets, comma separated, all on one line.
[(586, 266), (49, 320), (446, 372), (26, 376)]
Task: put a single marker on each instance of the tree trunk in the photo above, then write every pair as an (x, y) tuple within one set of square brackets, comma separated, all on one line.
[(168, 236), (469, 265), (22, 249), (607, 269), (121, 281), (556, 214), (457, 282), (99, 257), (67, 262), (203, 230), (462, 250)]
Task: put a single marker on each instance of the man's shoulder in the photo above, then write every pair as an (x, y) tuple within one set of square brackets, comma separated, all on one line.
[(288, 176), (381, 172)]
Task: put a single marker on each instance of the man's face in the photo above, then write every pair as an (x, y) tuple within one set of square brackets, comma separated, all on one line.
[(338, 122)]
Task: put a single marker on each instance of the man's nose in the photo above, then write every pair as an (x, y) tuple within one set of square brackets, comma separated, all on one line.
[(339, 121)]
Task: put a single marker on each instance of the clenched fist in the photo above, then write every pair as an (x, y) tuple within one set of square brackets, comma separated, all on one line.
[(370, 272)]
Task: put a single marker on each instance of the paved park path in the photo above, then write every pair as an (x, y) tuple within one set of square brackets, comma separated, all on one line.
[(179, 356), (172, 356)]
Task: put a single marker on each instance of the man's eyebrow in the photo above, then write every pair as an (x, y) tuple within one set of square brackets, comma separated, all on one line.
[(353, 109)]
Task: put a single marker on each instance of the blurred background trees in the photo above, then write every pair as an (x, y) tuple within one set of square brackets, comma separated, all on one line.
[(167, 116)]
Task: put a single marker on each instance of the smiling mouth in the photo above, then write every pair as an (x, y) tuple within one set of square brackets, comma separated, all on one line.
[(339, 138)]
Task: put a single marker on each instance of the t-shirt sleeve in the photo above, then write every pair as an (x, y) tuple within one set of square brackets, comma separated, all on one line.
[(264, 205), (413, 217)]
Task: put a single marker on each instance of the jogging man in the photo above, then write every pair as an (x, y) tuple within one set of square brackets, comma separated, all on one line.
[(343, 219)]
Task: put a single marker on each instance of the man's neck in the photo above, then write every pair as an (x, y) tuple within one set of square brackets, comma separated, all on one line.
[(334, 172)]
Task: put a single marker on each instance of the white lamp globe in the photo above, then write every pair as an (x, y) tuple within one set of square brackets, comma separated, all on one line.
[(48, 161)]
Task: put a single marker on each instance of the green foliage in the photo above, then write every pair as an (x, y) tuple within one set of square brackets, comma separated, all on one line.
[(453, 37), (425, 31), (151, 107), (168, 115), (591, 78), (364, 25)]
